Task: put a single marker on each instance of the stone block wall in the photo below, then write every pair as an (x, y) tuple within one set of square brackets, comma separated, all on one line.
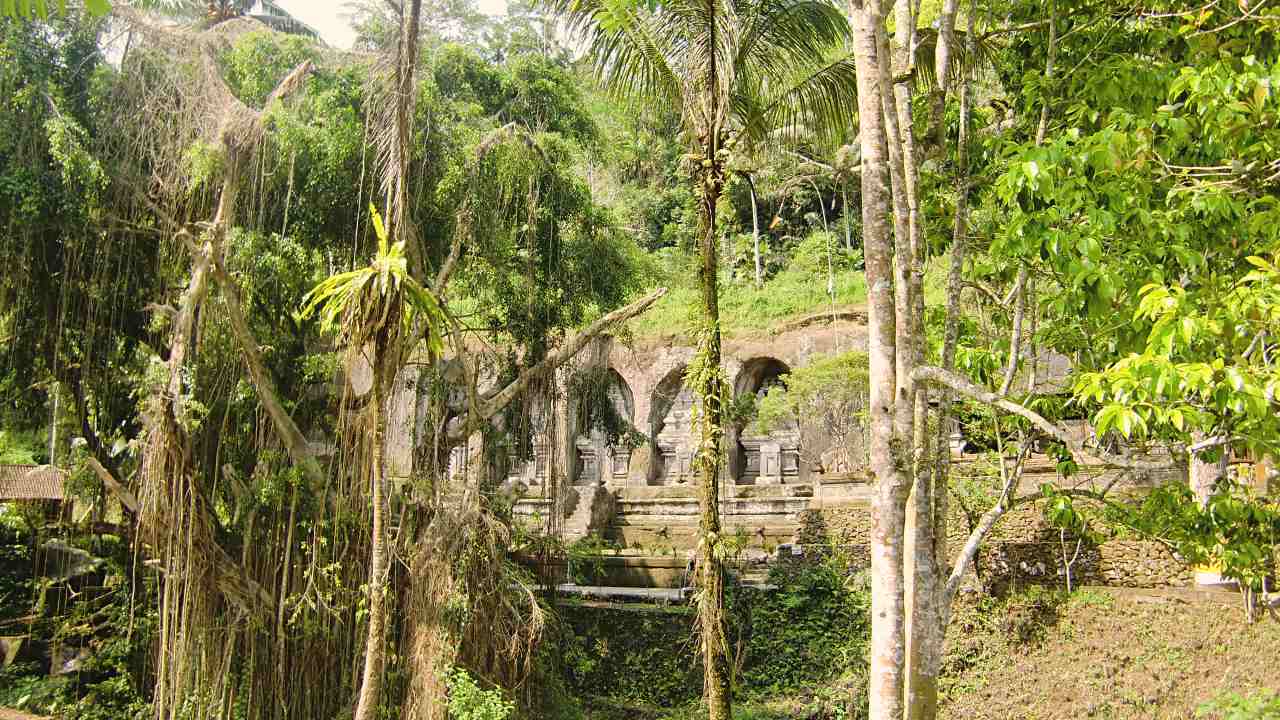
[(1022, 549)]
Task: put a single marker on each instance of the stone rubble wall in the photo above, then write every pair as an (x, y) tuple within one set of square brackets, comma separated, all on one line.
[(1022, 549)]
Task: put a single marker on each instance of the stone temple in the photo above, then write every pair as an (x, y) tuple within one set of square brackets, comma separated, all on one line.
[(781, 491)]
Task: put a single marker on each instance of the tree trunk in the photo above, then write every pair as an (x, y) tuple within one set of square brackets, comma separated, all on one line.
[(710, 568), (844, 203), (755, 231), (1204, 475), (932, 656), (715, 645), (375, 649), (888, 641), (396, 180)]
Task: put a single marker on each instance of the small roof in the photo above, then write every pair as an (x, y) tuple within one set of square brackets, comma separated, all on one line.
[(31, 482)]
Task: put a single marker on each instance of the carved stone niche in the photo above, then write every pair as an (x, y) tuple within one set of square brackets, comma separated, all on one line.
[(675, 442), (534, 470), (619, 465), (770, 459), (588, 460)]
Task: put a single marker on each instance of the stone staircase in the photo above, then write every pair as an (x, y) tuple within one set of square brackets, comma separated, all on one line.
[(666, 517)]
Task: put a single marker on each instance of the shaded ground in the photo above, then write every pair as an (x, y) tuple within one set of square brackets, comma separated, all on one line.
[(1106, 654)]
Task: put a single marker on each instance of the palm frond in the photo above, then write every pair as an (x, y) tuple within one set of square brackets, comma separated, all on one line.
[(779, 36), (357, 304), (633, 57), (818, 104)]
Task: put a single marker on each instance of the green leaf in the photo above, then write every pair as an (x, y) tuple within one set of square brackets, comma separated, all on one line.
[(97, 8), (1260, 263)]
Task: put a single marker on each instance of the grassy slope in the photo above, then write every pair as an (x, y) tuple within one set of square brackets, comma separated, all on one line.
[(744, 308), (1040, 655), (788, 294), (1113, 655)]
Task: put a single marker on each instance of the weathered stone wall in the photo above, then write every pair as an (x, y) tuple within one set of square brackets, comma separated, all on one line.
[(1022, 549)]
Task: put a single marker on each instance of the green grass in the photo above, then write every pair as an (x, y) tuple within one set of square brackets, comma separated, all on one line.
[(789, 294), (743, 308)]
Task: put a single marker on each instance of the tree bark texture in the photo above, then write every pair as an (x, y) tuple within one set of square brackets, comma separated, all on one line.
[(375, 649), (710, 567), (920, 574), (885, 684), (932, 656)]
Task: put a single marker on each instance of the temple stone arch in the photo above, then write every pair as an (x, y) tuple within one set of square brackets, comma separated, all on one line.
[(599, 461), (669, 431), (756, 458)]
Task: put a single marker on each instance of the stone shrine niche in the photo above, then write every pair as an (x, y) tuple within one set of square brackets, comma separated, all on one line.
[(532, 471), (763, 459), (671, 442), (599, 461)]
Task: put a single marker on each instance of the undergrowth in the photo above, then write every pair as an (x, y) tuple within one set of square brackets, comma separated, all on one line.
[(798, 650)]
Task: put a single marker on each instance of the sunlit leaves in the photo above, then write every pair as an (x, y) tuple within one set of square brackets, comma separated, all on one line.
[(358, 305), (1209, 364), (44, 9)]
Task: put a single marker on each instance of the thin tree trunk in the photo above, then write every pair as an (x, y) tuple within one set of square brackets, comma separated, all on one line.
[(755, 230), (715, 645), (1015, 335), (931, 654), (942, 69), (375, 649), (711, 570), (888, 642), (1051, 55), (844, 203), (397, 183)]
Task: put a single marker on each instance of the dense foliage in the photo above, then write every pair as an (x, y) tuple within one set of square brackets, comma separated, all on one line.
[(1123, 267)]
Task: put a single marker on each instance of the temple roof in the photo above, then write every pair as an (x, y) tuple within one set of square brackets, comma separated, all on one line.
[(31, 482)]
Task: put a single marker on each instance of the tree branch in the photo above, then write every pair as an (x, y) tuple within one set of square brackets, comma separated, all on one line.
[(951, 380), (294, 441), (496, 402)]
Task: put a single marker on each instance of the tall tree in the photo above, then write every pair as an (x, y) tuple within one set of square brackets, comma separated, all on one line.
[(764, 64), (885, 687), (377, 310)]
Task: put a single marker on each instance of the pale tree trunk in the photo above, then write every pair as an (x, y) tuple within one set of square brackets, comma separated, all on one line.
[(375, 649), (1203, 475), (755, 230), (888, 642), (931, 650), (942, 69), (923, 631)]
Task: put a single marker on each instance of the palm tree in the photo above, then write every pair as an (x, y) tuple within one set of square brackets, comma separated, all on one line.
[(376, 310), (736, 70)]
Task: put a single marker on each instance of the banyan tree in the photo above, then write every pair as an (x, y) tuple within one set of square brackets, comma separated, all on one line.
[(288, 485)]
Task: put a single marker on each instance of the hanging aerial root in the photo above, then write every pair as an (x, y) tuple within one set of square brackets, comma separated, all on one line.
[(469, 605)]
